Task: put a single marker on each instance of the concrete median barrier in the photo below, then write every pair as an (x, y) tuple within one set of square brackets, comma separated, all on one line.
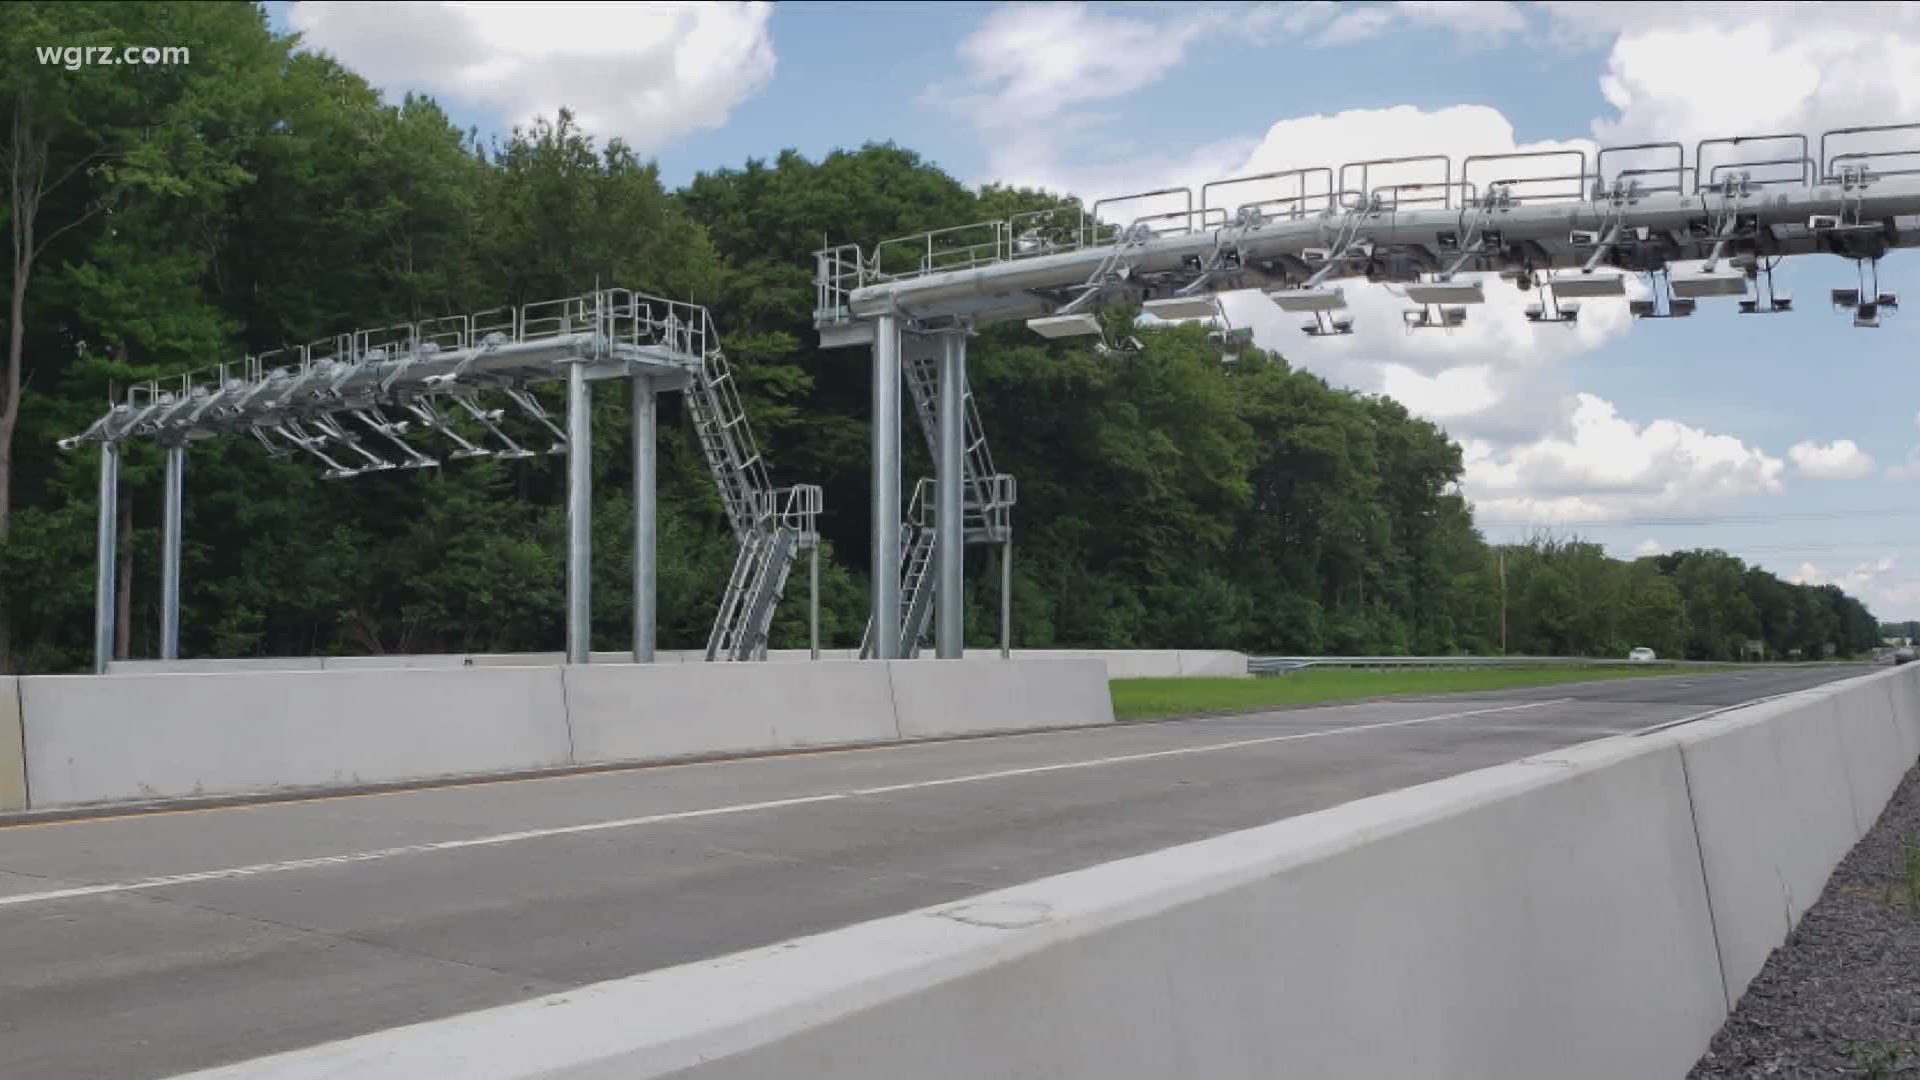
[(933, 698), (1499, 924), (145, 737), (91, 739), (629, 712), (1781, 791), (212, 665), (13, 749), (1592, 912)]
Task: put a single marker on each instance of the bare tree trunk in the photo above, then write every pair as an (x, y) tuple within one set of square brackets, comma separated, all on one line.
[(123, 582)]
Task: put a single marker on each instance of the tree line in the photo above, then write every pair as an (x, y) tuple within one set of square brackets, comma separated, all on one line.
[(164, 218)]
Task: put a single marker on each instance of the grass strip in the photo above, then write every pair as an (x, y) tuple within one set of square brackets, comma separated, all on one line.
[(1143, 699)]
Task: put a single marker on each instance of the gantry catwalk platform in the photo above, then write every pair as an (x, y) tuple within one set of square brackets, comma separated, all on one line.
[(1568, 224), (343, 398)]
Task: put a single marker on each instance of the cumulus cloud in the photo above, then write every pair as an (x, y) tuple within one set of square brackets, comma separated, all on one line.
[(1650, 546), (1604, 466), (1879, 583), (1910, 467), (1356, 24), (1475, 22), (648, 73), (1821, 72), (1030, 73), (1841, 459), (1478, 18)]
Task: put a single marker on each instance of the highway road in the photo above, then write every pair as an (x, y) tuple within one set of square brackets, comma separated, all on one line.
[(146, 945)]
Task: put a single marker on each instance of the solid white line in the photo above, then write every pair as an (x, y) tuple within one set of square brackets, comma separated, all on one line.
[(261, 869)]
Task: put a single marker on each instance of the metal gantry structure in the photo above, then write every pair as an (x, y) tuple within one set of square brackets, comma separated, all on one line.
[(1570, 225), (343, 399)]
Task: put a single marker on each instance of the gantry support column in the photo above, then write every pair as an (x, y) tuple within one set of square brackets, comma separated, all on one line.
[(173, 505), (1006, 597), (813, 598), (579, 513), (886, 488), (108, 550), (949, 547), (645, 505)]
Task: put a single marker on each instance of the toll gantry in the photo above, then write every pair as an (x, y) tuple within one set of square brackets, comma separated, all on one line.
[(1569, 225), (351, 400)]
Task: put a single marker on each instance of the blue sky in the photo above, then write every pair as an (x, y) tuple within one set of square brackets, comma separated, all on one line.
[(1783, 439)]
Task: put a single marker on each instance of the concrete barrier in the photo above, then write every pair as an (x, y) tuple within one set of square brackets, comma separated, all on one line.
[(627, 712), (92, 739), (1591, 912), (932, 698), (1781, 792), (1149, 663), (13, 749), (1904, 701), (212, 665), (156, 736), (1500, 924)]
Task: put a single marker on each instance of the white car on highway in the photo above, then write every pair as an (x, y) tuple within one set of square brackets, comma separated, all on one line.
[(1641, 655)]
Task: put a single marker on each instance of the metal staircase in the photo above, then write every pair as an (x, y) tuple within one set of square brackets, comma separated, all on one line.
[(920, 364), (916, 576), (773, 526), (987, 497)]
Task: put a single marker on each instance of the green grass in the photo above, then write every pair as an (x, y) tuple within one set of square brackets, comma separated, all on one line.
[(1141, 699)]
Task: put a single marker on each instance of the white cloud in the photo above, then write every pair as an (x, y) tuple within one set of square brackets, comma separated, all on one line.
[(1603, 466), (1876, 583), (1476, 18), (1473, 22), (1821, 72), (1841, 459), (648, 73), (1460, 391), (1356, 24), (1911, 466), (1029, 62), (1650, 546)]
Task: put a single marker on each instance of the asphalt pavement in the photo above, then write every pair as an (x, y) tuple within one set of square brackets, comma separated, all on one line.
[(146, 945)]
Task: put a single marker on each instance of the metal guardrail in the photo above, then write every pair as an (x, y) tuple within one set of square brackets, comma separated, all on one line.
[(1281, 665)]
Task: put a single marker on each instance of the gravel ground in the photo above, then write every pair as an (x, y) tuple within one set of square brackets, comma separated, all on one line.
[(1842, 996)]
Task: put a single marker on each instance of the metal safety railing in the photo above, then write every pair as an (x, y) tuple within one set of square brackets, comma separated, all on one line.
[(344, 397), (1611, 174), (786, 523), (919, 366)]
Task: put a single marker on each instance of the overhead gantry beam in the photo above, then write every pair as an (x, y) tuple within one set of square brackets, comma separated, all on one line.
[(1514, 214)]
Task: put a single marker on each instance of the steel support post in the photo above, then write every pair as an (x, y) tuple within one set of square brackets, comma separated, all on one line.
[(108, 550), (1006, 598), (172, 506), (579, 513), (949, 548), (645, 506), (813, 598), (886, 488)]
